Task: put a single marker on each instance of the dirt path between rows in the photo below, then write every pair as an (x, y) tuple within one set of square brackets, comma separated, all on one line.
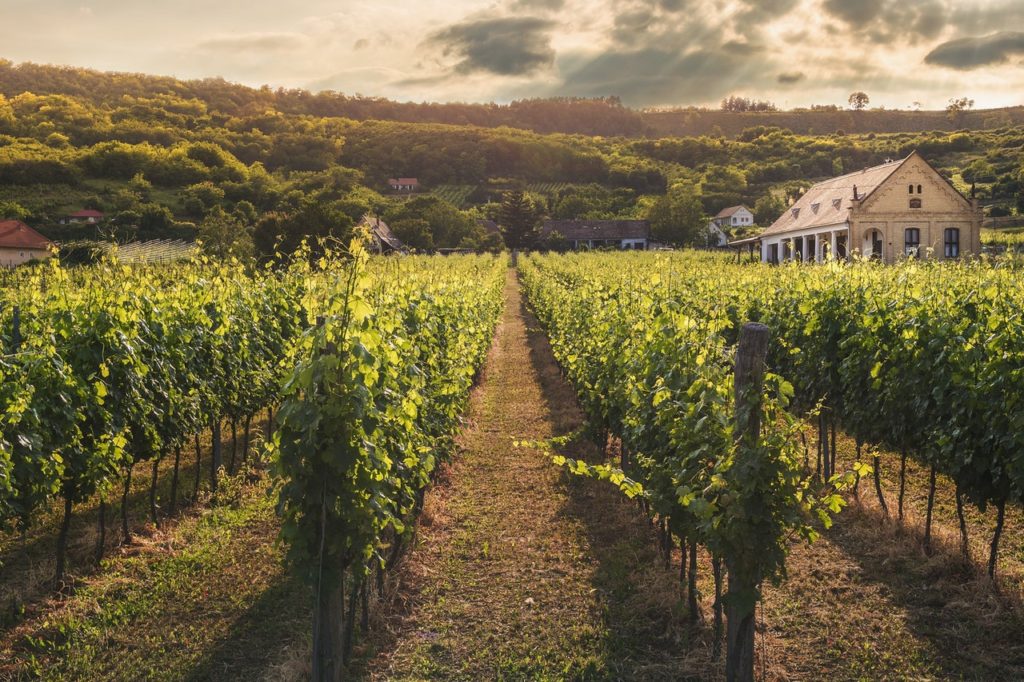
[(519, 573)]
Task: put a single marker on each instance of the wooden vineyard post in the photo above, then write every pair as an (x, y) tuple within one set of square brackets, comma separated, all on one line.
[(16, 330), (329, 607), (749, 379)]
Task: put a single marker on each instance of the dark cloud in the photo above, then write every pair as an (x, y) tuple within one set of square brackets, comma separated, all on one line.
[(263, 42), (970, 53), (507, 46), (854, 12), (658, 75), (790, 77), (884, 21), (361, 44), (973, 19), (544, 5)]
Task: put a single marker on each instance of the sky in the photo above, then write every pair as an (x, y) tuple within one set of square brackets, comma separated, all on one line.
[(650, 53)]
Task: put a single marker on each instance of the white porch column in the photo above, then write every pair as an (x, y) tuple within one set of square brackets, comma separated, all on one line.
[(807, 249), (819, 247), (835, 244)]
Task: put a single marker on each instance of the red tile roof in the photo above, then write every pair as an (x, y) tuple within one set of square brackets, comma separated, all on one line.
[(15, 234), (86, 213)]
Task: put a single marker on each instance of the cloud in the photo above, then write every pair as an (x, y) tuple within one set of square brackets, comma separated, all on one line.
[(543, 5), (506, 46), (790, 77), (656, 75), (969, 53), (361, 44), (854, 12), (264, 42), (883, 21)]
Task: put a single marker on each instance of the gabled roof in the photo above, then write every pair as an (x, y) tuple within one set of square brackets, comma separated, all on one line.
[(403, 181), (576, 230), (382, 233), (15, 234), (728, 212), (86, 213), (829, 201)]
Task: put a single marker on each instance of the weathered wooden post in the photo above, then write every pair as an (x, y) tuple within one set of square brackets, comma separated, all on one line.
[(16, 330), (329, 609), (749, 379)]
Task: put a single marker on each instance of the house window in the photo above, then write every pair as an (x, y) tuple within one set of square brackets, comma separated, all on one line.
[(911, 242), (915, 203), (911, 189), (796, 212), (952, 242), (836, 203), (919, 189)]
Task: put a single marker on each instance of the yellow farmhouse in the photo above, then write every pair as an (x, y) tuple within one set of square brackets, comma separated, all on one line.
[(898, 209)]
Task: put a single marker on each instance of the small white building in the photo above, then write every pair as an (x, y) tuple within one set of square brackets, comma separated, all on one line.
[(87, 215), (404, 184), (727, 219)]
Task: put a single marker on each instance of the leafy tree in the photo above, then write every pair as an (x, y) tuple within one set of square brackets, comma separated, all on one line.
[(858, 100), (519, 220), (414, 233), (447, 226), (678, 217), (223, 236), (957, 107), (313, 221), (10, 210), (767, 209)]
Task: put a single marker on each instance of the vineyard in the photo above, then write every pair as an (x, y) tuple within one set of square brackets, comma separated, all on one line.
[(456, 195), (737, 423), (367, 365), (922, 360)]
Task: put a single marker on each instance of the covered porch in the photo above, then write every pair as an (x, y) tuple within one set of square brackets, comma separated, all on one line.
[(814, 245)]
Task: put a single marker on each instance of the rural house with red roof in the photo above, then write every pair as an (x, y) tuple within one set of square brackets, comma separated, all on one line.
[(19, 244), (87, 215), (899, 209), (404, 184)]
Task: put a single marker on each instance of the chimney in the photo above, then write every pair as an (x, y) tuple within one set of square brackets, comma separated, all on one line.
[(855, 196)]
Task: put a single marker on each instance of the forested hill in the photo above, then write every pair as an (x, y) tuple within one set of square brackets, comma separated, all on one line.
[(606, 117)]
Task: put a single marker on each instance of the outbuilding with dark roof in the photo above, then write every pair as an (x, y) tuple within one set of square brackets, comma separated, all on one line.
[(594, 234)]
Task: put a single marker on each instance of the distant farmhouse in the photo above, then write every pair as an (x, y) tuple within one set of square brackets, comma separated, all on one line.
[(404, 184), (898, 209), (87, 215), (595, 234), (384, 240), (19, 244), (728, 218)]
